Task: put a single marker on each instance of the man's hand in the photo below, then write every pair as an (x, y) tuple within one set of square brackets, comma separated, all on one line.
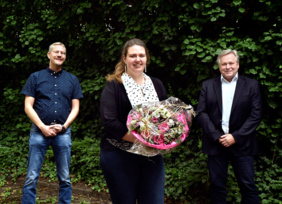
[(49, 130), (227, 140), (57, 128)]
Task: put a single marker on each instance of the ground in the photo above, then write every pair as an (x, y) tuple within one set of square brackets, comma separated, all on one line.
[(47, 192)]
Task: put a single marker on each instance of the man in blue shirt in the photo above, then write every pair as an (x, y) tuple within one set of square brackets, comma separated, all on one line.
[(52, 104)]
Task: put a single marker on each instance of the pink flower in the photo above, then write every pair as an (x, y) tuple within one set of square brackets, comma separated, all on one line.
[(163, 127), (159, 139), (154, 120)]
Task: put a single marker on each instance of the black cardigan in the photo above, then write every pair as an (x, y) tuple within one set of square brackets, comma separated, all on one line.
[(114, 108)]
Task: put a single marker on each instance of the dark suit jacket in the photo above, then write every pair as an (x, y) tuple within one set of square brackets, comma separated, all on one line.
[(246, 114)]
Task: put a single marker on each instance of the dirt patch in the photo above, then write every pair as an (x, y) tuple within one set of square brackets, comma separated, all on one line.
[(47, 192)]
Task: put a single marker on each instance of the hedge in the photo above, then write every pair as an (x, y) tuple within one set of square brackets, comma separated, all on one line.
[(184, 38)]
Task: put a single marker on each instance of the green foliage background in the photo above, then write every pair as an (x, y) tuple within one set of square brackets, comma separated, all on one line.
[(184, 38)]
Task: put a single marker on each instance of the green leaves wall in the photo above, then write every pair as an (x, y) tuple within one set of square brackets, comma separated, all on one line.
[(184, 38)]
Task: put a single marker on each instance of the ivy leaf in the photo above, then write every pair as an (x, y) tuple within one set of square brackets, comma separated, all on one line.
[(275, 89), (213, 19), (186, 42), (267, 38), (272, 104), (193, 27), (262, 75), (207, 59), (196, 5), (242, 10), (79, 11), (237, 2), (279, 42), (119, 42), (253, 71)]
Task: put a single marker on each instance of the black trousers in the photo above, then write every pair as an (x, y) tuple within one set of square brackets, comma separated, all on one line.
[(131, 177), (244, 171)]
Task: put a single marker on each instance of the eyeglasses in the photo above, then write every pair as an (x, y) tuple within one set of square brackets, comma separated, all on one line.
[(59, 52)]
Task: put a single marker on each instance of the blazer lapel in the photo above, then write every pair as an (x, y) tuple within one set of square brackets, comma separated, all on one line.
[(238, 91), (217, 90)]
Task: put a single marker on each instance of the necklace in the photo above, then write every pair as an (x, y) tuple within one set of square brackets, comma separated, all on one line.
[(141, 87)]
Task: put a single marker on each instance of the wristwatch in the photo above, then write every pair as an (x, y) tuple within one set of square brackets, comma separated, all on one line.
[(63, 129)]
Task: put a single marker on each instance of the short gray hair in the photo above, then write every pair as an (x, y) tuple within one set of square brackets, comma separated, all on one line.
[(226, 52), (56, 43)]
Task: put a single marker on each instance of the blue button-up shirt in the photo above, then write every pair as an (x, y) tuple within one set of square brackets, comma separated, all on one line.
[(53, 93)]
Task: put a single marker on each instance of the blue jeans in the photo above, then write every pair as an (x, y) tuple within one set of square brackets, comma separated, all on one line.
[(132, 177), (38, 145), (243, 168)]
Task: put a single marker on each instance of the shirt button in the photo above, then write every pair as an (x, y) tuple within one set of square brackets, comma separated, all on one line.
[(55, 84), (55, 111), (55, 93), (55, 77), (56, 102)]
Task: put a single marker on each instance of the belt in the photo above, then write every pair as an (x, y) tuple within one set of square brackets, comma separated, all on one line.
[(54, 123)]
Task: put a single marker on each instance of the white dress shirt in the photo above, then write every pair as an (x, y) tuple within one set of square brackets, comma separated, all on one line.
[(228, 90)]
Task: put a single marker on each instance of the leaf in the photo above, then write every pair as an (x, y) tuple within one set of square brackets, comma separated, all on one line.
[(253, 71), (237, 2), (242, 10), (213, 19), (267, 38), (196, 5), (119, 42), (201, 55), (279, 42), (79, 11), (207, 59), (193, 27), (275, 89), (186, 42)]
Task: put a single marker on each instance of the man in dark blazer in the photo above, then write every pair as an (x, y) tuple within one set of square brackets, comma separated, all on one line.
[(229, 111)]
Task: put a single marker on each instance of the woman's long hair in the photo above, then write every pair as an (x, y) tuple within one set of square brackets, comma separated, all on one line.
[(119, 68)]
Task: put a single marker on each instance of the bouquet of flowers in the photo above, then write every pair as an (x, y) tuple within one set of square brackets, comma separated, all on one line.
[(160, 125)]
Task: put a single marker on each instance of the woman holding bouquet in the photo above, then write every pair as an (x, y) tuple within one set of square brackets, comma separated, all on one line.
[(130, 177)]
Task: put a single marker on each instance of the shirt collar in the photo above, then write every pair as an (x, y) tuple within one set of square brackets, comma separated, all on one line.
[(53, 72), (235, 78)]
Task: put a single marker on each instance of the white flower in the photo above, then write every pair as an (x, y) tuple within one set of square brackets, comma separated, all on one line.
[(152, 109), (133, 122), (140, 110), (168, 114), (142, 126), (170, 122), (165, 113), (156, 114)]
